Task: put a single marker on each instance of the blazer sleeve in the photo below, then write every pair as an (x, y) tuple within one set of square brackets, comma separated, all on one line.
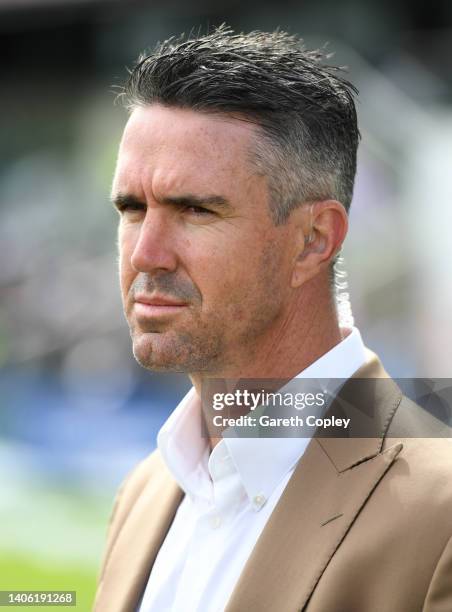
[(439, 594)]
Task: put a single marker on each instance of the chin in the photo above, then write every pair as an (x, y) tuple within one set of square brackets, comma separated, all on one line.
[(153, 353), (170, 352), (163, 352)]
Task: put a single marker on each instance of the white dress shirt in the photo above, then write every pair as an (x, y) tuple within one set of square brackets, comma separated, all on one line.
[(230, 494)]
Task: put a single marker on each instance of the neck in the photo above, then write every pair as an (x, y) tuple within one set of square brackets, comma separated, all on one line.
[(305, 332)]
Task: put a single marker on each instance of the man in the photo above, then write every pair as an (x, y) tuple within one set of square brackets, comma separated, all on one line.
[(234, 177)]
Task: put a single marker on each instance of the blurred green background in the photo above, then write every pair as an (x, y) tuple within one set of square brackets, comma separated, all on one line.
[(76, 412)]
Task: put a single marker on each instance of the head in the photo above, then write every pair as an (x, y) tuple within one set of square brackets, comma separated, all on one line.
[(234, 178)]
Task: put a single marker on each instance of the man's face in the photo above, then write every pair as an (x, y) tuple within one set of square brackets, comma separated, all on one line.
[(205, 274)]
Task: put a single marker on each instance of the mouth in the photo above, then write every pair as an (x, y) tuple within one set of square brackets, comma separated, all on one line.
[(155, 306)]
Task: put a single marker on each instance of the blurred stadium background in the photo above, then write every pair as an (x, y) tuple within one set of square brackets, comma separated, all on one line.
[(76, 411)]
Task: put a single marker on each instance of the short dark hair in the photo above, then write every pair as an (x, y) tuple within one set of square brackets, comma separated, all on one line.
[(304, 107)]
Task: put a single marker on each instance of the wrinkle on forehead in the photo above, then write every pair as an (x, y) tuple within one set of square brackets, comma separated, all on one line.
[(168, 150), (194, 131)]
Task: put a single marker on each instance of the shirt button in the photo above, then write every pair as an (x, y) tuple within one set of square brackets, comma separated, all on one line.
[(215, 521), (259, 501)]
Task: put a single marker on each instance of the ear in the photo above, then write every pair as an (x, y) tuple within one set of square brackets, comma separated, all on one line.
[(321, 232)]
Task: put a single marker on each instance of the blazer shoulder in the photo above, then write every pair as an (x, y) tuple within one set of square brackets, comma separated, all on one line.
[(413, 421), (127, 495), (151, 467), (425, 462)]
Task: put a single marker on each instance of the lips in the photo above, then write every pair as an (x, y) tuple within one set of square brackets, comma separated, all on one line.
[(153, 307), (158, 301)]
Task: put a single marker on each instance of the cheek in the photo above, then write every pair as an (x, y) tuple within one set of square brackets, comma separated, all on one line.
[(126, 245), (226, 273)]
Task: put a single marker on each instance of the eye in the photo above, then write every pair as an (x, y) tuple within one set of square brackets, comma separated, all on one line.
[(198, 210)]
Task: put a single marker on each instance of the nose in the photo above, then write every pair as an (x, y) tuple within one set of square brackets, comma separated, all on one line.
[(155, 246)]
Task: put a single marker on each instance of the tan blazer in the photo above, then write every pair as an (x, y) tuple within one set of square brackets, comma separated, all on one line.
[(364, 524)]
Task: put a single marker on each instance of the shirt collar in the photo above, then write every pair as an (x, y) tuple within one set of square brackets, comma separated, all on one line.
[(261, 463)]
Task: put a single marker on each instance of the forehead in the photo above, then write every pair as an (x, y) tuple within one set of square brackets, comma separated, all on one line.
[(171, 149)]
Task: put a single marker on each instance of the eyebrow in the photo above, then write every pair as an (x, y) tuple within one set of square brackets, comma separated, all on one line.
[(121, 199), (217, 201)]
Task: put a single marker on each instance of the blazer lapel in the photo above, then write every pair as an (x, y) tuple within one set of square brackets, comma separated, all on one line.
[(332, 481), (304, 531), (137, 545)]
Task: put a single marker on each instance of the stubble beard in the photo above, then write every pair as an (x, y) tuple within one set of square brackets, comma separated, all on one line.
[(222, 342), (177, 351)]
